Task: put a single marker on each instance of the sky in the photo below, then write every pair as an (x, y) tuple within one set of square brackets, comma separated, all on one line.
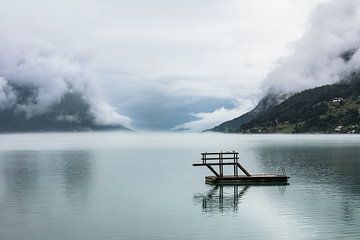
[(154, 65)]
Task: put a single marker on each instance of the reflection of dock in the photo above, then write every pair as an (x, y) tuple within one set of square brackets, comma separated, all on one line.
[(222, 159), (226, 198), (219, 200)]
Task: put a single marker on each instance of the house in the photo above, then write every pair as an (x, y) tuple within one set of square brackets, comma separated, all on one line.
[(337, 100)]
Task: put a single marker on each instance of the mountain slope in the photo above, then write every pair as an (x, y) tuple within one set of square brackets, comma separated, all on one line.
[(71, 113), (325, 109), (265, 103)]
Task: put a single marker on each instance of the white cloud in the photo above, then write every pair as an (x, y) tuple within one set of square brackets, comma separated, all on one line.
[(317, 58), (179, 49), (207, 120), (52, 74), (7, 96)]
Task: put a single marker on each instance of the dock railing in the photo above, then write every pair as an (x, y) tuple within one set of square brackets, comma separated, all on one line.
[(221, 159)]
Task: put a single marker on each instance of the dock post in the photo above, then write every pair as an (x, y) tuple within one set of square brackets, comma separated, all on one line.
[(235, 165), (221, 166), (237, 161), (203, 157)]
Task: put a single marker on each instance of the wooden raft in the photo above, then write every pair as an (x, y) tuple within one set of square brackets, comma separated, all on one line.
[(221, 159)]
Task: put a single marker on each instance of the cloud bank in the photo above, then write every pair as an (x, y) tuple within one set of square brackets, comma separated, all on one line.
[(48, 76), (207, 120), (320, 55), (162, 63), (328, 52)]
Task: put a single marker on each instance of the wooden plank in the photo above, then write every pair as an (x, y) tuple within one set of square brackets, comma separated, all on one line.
[(243, 169), (214, 153), (229, 158), (213, 164)]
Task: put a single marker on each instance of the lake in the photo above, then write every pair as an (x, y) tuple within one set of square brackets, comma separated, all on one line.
[(116, 185)]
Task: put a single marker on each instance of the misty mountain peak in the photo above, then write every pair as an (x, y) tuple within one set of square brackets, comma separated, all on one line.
[(72, 112), (347, 55)]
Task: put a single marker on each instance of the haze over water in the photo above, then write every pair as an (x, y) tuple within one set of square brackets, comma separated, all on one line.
[(142, 186)]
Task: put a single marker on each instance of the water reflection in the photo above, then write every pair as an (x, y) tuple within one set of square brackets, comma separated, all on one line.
[(71, 193), (37, 179), (226, 198), (329, 174), (221, 198), (21, 178), (76, 170), (336, 165)]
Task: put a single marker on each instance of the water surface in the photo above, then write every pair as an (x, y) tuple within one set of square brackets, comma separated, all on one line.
[(87, 186)]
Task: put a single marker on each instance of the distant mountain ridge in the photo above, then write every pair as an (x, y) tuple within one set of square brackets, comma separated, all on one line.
[(71, 113), (265, 103), (268, 103), (326, 109)]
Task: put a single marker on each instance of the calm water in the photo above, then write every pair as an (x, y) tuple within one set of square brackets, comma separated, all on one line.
[(142, 186)]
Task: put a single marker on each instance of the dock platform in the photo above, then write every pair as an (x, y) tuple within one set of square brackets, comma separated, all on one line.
[(221, 159), (259, 179)]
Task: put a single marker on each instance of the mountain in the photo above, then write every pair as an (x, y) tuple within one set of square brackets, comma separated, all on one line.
[(71, 113), (265, 103), (326, 109)]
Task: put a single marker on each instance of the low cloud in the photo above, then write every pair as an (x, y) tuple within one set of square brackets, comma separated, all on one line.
[(328, 52), (318, 58), (155, 62), (48, 75), (207, 120)]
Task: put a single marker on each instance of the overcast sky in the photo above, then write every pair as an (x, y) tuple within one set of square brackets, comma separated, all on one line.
[(165, 64)]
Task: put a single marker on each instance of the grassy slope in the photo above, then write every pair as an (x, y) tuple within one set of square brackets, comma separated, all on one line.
[(313, 110)]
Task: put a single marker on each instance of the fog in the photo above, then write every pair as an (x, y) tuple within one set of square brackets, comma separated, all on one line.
[(156, 65)]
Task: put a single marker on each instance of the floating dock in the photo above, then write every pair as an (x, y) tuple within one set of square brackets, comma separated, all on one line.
[(221, 159)]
